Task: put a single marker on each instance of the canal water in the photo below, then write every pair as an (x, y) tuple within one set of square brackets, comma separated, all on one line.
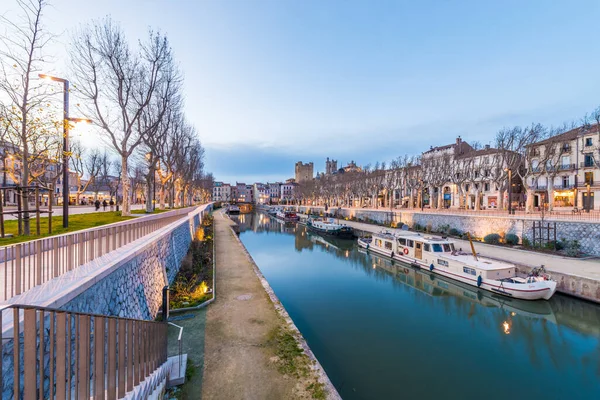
[(385, 330)]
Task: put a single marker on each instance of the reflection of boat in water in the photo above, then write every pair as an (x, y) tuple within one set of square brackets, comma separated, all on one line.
[(338, 244), (436, 286)]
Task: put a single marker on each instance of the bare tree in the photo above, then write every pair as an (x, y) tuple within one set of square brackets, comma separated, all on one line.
[(120, 84), (21, 56), (82, 165)]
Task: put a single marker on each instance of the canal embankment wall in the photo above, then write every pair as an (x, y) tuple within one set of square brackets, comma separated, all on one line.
[(587, 233), (575, 277), (131, 286)]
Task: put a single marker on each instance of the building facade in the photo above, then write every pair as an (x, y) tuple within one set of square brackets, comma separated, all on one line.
[(563, 172)]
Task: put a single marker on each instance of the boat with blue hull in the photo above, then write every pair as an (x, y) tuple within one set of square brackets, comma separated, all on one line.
[(328, 227)]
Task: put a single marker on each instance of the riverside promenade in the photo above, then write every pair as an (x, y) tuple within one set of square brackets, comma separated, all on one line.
[(248, 353), (576, 277)]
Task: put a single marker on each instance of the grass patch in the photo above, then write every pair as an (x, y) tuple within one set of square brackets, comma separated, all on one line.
[(292, 360), (156, 211), (77, 222), (317, 390)]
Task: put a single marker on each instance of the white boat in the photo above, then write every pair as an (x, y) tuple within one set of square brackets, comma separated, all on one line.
[(233, 210), (439, 256)]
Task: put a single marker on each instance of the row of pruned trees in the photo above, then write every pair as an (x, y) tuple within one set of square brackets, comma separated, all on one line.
[(527, 152), (132, 90)]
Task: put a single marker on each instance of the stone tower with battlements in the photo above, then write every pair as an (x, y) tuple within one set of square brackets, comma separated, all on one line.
[(304, 172), (330, 166)]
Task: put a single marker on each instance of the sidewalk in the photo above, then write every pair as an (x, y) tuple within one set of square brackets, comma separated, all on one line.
[(243, 350)]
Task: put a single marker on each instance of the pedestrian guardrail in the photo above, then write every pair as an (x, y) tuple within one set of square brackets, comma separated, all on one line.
[(54, 354), (29, 264)]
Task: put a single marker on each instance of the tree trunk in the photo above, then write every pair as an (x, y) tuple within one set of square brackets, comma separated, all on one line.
[(162, 194), (150, 188), (501, 199), (125, 207), (440, 199), (550, 193), (477, 202), (529, 203)]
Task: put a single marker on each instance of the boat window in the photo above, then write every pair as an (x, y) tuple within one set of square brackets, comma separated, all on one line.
[(402, 241), (388, 245), (447, 247), (410, 243), (427, 247), (452, 246), (468, 270), (378, 242), (437, 247), (443, 262)]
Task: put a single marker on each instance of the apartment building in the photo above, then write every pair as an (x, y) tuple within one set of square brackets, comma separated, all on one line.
[(563, 171)]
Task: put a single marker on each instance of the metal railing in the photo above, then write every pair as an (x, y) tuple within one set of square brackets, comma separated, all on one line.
[(179, 346), (55, 354), (588, 164), (29, 264)]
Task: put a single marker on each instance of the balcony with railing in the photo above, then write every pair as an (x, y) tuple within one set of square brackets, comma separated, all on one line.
[(563, 186), (588, 164)]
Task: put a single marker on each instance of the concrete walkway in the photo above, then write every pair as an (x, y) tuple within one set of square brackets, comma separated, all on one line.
[(241, 347)]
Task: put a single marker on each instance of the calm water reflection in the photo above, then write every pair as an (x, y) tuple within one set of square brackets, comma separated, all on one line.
[(384, 330)]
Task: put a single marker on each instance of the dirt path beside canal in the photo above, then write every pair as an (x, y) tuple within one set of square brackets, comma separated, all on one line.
[(250, 352)]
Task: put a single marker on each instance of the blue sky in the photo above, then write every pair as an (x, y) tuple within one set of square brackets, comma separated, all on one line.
[(269, 83)]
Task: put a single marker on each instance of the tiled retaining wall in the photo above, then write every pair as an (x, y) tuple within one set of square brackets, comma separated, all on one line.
[(587, 233), (134, 289)]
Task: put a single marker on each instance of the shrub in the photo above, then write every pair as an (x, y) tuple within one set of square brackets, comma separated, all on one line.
[(525, 242), (492, 238), (417, 227), (511, 239), (444, 229), (572, 247), (428, 228), (455, 232)]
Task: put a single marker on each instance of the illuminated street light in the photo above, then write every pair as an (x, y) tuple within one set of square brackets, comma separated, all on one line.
[(66, 124)]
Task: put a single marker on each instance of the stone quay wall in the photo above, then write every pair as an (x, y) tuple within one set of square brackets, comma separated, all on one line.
[(587, 233), (134, 288)]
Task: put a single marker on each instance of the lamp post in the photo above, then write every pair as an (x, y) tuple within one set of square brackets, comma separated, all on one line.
[(66, 121), (509, 190)]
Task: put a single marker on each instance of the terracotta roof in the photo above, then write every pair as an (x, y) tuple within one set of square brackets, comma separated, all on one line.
[(476, 153), (569, 135)]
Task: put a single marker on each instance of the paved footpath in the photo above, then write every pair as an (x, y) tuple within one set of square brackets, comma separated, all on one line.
[(240, 353), (589, 268)]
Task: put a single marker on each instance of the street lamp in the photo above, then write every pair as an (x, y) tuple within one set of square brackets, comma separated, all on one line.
[(66, 121), (509, 190)]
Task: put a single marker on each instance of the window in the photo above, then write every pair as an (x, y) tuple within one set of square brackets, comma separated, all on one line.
[(476, 174), (447, 247), (378, 242), (588, 141), (487, 172), (589, 160), (565, 181), (402, 241), (468, 270), (437, 248), (426, 247), (486, 187), (388, 245), (589, 178), (443, 262), (410, 243)]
